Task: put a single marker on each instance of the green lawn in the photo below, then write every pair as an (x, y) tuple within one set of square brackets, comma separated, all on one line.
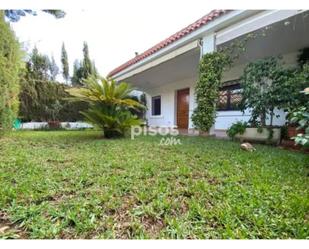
[(78, 185)]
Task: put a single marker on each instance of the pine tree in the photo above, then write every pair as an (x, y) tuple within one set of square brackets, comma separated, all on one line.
[(65, 63), (77, 74), (53, 69), (87, 65)]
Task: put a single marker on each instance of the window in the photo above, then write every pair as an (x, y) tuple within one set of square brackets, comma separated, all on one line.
[(156, 106), (229, 97)]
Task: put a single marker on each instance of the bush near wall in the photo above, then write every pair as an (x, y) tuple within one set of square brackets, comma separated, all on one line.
[(10, 63), (39, 99)]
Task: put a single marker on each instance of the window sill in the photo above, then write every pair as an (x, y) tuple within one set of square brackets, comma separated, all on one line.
[(157, 116)]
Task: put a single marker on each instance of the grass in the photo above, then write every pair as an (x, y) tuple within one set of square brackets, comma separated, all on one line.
[(74, 184)]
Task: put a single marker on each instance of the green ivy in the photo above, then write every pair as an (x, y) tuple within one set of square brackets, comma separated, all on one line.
[(207, 89)]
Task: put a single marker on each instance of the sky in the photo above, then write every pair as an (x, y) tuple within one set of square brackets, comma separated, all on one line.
[(114, 32)]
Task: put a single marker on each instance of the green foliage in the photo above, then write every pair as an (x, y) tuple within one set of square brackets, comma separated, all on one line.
[(65, 63), (262, 84), (110, 105), (207, 89), (53, 69), (83, 69), (43, 99), (39, 67), (70, 184), (303, 56), (301, 117), (289, 93), (114, 121), (237, 128), (10, 64)]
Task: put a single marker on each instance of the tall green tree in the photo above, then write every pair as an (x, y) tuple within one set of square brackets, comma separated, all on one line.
[(53, 69), (10, 65), (83, 69), (88, 67), (77, 74), (65, 63), (38, 66)]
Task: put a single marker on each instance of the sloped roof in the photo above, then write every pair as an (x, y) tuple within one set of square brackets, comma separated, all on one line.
[(180, 34)]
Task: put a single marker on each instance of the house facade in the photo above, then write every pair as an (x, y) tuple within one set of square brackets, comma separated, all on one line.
[(168, 71)]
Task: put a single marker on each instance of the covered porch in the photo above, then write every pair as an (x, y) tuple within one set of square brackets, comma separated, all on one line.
[(169, 81)]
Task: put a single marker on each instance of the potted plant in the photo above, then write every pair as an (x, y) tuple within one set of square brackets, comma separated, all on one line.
[(263, 84)]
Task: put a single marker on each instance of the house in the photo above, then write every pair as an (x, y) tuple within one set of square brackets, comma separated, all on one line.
[(168, 71)]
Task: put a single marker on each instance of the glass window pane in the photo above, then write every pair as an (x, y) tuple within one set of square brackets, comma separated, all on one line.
[(156, 106)]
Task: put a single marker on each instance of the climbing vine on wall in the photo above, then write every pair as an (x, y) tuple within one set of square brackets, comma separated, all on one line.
[(207, 89)]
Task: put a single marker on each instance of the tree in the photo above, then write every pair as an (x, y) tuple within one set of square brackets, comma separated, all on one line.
[(88, 66), (38, 66), (14, 15), (10, 65), (83, 69), (110, 105), (65, 63), (77, 74), (41, 97), (268, 85), (53, 69)]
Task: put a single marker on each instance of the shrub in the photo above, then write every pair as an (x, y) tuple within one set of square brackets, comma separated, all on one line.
[(47, 100), (259, 89), (110, 104), (301, 117), (10, 64), (236, 128)]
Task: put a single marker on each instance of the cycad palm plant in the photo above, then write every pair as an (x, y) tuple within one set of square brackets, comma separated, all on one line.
[(110, 104)]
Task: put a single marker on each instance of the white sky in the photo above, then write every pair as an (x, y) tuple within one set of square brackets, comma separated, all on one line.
[(113, 34), (114, 29)]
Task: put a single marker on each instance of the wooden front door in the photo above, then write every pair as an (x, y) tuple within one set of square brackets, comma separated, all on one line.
[(183, 108)]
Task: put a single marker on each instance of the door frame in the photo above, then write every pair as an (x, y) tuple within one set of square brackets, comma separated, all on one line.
[(176, 105)]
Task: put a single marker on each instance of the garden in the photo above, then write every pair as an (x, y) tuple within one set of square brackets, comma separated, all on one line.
[(98, 183)]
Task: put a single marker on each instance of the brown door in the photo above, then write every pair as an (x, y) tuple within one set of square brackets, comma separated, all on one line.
[(183, 108)]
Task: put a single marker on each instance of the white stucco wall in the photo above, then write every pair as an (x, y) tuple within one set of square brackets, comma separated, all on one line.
[(168, 102)]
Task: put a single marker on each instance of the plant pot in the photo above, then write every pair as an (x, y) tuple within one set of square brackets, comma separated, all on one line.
[(254, 135), (292, 131), (54, 124)]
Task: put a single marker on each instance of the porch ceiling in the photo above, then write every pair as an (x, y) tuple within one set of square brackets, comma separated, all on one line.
[(183, 66), (283, 37)]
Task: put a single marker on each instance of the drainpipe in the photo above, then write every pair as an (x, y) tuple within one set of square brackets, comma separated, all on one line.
[(200, 44)]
